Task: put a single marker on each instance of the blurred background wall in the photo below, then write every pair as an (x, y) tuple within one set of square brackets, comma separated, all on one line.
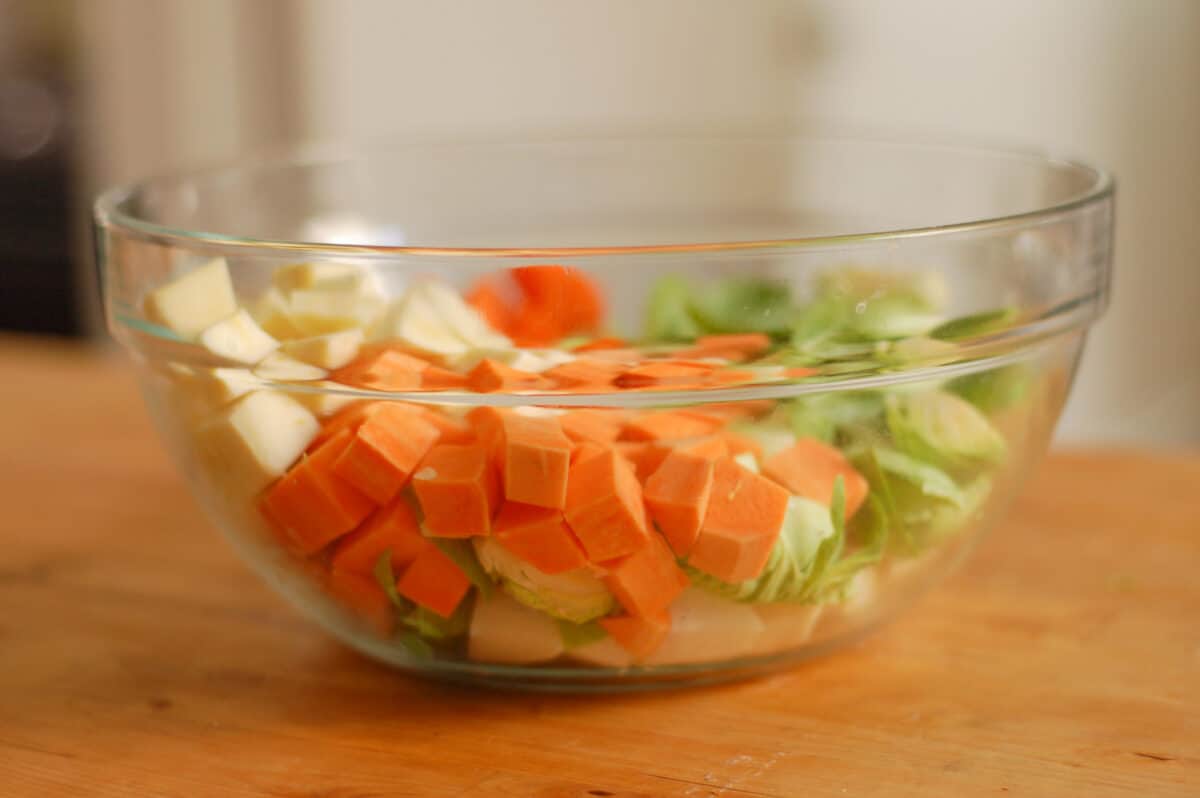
[(150, 85)]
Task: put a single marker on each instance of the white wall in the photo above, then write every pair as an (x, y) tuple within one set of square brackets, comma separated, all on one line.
[(1114, 81)]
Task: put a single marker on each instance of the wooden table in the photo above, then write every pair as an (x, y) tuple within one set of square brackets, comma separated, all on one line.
[(138, 657)]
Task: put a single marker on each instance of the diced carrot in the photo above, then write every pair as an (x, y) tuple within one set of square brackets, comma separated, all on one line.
[(534, 457), (491, 375), (584, 373), (540, 537), (363, 596), (585, 450), (495, 308), (663, 374), (677, 497), (349, 417), (666, 425), (383, 370), (796, 372), (597, 426), (731, 376), (744, 516), (313, 506), (457, 489), (732, 411), (434, 581), (646, 581), (451, 429), (567, 291), (604, 507), (740, 444), (606, 342), (436, 378), (384, 451), (537, 326), (488, 425), (392, 528), (810, 467), (640, 636), (750, 344), (645, 456), (710, 447)]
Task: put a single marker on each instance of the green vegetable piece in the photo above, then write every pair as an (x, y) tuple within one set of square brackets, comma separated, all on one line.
[(944, 429), (985, 323), (823, 415), (386, 578), (580, 634), (745, 305), (994, 389), (575, 596), (428, 623), (928, 480), (464, 557), (668, 313)]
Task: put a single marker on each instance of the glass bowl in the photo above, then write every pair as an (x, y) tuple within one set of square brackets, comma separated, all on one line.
[(609, 413)]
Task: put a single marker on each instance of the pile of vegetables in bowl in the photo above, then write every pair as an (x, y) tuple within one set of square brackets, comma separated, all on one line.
[(492, 476)]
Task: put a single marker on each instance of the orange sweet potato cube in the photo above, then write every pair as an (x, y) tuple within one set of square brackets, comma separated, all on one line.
[(640, 636), (539, 536), (646, 581), (385, 449), (604, 507), (810, 467), (744, 516), (677, 497), (392, 529), (534, 458), (456, 487), (434, 581)]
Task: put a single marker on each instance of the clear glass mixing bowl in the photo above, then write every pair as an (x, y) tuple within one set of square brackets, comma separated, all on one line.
[(607, 413)]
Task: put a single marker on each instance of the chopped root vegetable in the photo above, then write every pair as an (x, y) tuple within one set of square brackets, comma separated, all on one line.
[(490, 375), (392, 529), (450, 428), (312, 505), (495, 308), (436, 378), (383, 370), (363, 596), (540, 537), (646, 581), (645, 456), (434, 581), (607, 342), (604, 507), (597, 426), (810, 467), (640, 636), (666, 426), (534, 457), (665, 374), (456, 487), (385, 449), (585, 450), (740, 444), (749, 344), (348, 418), (677, 497), (504, 630), (585, 374), (744, 517)]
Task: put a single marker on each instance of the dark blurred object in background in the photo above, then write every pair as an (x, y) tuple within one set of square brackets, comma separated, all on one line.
[(39, 291)]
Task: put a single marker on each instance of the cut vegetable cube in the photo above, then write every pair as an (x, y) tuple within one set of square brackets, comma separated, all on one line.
[(283, 368), (540, 537), (436, 378), (646, 581), (665, 374), (458, 491), (604, 507), (638, 635), (504, 630), (645, 456), (385, 450), (311, 505), (238, 338), (393, 529), (746, 344), (744, 517), (348, 418), (604, 342), (434, 581), (707, 628), (451, 429), (810, 467), (491, 375), (330, 351), (534, 456), (363, 596), (271, 313), (383, 370), (677, 497), (319, 311), (195, 301), (597, 426), (586, 449), (298, 276), (585, 373), (665, 426), (255, 440), (325, 402)]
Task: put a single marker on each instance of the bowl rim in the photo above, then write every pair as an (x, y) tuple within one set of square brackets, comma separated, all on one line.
[(110, 215)]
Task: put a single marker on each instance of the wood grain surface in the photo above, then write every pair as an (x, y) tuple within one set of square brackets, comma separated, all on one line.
[(139, 658)]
